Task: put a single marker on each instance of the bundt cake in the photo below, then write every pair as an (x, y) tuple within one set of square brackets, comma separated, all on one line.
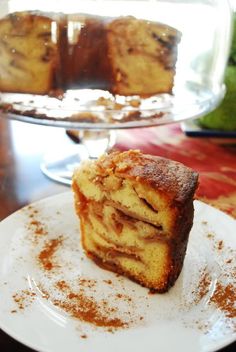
[(136, 212), (43, 52)]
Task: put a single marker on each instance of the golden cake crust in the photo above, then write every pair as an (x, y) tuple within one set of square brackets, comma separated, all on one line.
[(172, 178)]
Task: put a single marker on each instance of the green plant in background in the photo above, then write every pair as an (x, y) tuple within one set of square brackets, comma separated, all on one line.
[(224, 117)]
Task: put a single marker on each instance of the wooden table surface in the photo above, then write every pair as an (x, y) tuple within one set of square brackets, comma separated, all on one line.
[(22, 147)]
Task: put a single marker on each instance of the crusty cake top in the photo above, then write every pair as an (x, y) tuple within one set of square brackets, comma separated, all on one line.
[(172, 178)]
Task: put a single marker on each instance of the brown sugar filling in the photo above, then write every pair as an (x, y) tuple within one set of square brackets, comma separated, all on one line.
[(120, 219), (117, 252)]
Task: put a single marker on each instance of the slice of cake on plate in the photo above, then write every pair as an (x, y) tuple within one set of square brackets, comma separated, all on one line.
[(136, 212)]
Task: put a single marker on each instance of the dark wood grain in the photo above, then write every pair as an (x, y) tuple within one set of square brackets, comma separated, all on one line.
[(21, 181), (21, 150)]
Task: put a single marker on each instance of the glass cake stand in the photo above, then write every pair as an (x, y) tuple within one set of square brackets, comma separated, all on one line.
[(97, 112)]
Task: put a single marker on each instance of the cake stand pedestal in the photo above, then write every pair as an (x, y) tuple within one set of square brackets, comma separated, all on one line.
[(60, 166)]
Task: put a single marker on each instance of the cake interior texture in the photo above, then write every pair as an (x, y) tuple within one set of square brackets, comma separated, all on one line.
[(28, 56), (136, 212)]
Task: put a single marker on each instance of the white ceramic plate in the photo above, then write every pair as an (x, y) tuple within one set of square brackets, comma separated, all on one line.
[(37, 306)]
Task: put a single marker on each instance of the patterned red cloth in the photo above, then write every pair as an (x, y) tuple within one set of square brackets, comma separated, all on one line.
[(215, 163)]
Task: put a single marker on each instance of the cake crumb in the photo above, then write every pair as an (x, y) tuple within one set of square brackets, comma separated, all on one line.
[(135, 103), (220, 245), (84, 336)]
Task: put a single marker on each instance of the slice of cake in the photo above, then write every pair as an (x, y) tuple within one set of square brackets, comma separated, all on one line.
[(136, 212)]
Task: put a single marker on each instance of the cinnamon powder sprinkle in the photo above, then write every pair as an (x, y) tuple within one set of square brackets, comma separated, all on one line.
[(37, 227), (86, 309), (203, 287), (62, 285), (45, 294), (23, 299), (124, 297), (32, 210), (45, 257), (224, 298), (89, 283)]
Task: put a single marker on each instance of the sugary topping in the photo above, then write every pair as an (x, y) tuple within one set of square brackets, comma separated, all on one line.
[(162, 174)]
